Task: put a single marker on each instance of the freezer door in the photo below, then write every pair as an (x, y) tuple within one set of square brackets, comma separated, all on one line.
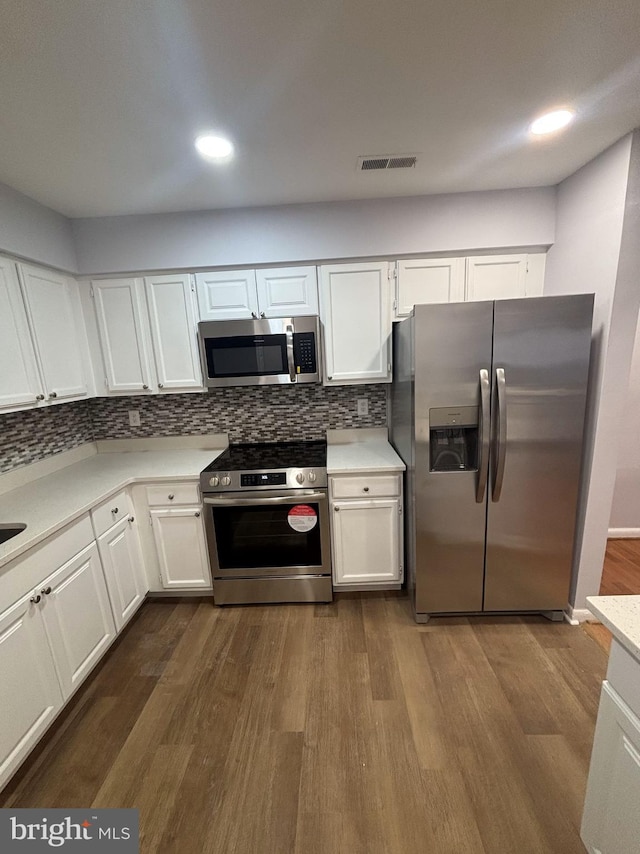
[(540, 367), (452, 352)]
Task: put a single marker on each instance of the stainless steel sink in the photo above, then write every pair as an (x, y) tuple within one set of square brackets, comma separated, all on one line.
[(10, 530)]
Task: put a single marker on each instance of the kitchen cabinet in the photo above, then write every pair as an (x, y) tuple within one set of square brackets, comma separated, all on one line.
[(366, 530), (53, 312), (19, 381), (116, 533), (246, 294), (355, 309), (480, 277), (611, 819), (179, 545), (147, 329)]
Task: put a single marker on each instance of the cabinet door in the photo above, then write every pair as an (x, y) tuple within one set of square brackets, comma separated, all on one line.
[(77, 617), (287, 291), (496, 277), (29, 687), (119, 315), (428, 280), (54, 322), (355, 307), (121, 559), (227, 295), (366, 541), (20, 384), (611, 818), (174, 331), (180, 547)]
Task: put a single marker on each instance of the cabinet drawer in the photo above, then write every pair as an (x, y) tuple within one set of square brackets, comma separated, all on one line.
[(110, 511), (370, 486), (172, 494)]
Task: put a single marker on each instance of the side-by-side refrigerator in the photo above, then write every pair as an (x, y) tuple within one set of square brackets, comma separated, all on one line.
[(488, 409)]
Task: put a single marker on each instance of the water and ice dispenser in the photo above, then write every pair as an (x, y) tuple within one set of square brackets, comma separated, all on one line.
[(453, 438)]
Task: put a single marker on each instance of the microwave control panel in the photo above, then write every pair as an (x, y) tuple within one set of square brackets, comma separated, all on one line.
[(304, 352)]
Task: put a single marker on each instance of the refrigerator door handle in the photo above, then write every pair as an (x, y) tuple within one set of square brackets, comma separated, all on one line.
[(485, 427), (501, 438)]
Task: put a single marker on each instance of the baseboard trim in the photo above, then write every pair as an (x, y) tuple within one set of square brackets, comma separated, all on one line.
[(575, 616), (624, 533)]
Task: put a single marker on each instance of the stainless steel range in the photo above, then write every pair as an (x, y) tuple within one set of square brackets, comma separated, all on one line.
[(267, 523)]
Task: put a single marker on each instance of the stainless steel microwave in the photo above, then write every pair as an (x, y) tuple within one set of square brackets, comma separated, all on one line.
[(260, 352)]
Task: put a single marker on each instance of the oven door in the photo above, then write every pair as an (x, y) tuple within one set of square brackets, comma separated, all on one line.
[(259, 535)]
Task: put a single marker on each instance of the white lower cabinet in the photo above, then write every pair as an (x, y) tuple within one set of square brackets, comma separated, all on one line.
[(29, 687), (366, 530), (181, 550), (122, 562)]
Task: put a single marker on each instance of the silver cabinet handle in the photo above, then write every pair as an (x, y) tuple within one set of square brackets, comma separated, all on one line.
[(290, 361), (53, 394), (45, 591), (254, 315), (35, 599), (197, 514), (132, 518), (501, 435), (160, 385), (262, 314), (485, 429), (171, 496), (145, 386), (39, 397)]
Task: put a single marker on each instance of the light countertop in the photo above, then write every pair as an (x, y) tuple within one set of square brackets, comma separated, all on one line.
[(621, 615), (49, 503), (352, 451)]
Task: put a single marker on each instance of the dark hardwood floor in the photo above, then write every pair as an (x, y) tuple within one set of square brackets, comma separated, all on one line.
[(329, 729)]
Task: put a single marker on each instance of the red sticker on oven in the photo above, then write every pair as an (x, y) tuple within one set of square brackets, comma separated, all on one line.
[(302, 518)]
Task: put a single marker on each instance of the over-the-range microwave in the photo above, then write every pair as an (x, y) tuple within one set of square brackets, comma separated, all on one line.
[(260, 352)]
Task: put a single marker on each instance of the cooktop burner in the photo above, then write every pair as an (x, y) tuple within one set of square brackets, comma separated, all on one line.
[(271, 455)]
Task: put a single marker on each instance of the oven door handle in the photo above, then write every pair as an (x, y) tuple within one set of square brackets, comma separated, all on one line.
[(275, 499), (290, 359)]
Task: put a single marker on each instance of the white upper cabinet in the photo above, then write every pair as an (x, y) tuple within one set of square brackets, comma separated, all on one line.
[(173, 331), (428, 280), (287, 292), (119, 313), (147, 332), (20, 384), (54, 316), (227, 295), (246, 294), (496, 277), (355, 308)]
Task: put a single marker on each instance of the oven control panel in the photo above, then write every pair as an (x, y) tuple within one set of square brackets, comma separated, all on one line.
[(274, 478)]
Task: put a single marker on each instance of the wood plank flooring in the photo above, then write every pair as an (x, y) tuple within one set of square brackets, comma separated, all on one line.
[(327, 729)]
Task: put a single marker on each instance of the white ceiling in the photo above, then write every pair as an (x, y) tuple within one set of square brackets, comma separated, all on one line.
[(100, 100)]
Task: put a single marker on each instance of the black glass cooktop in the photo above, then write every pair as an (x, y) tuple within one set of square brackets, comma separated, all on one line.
[(271, 455)]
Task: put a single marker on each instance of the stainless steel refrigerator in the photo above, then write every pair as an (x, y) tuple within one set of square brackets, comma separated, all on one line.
[(487, 412)]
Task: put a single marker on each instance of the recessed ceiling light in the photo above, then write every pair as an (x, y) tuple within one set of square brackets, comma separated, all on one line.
[(214, 147), (551, 121)]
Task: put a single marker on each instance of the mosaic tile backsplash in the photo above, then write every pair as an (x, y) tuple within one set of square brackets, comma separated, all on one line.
[(252, 414)]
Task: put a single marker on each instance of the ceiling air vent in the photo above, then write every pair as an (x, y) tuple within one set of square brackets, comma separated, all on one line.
[(387, 161)]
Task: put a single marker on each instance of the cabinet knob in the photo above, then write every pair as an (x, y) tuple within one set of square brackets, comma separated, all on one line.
[(336, 509), (45, 591), (39, 397), (132, 518), (365, 489), (197, 513), (160, 385), (114, 510), (262, 314), (329, 378), (145, 386), (53, 394), (35, 599), (171, 496)]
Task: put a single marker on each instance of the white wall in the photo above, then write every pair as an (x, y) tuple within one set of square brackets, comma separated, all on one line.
[(625, 510), (594, 252), (317, 232), (29, 230)]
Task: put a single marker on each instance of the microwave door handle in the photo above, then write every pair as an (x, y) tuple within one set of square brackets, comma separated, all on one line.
[(290, 360)]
